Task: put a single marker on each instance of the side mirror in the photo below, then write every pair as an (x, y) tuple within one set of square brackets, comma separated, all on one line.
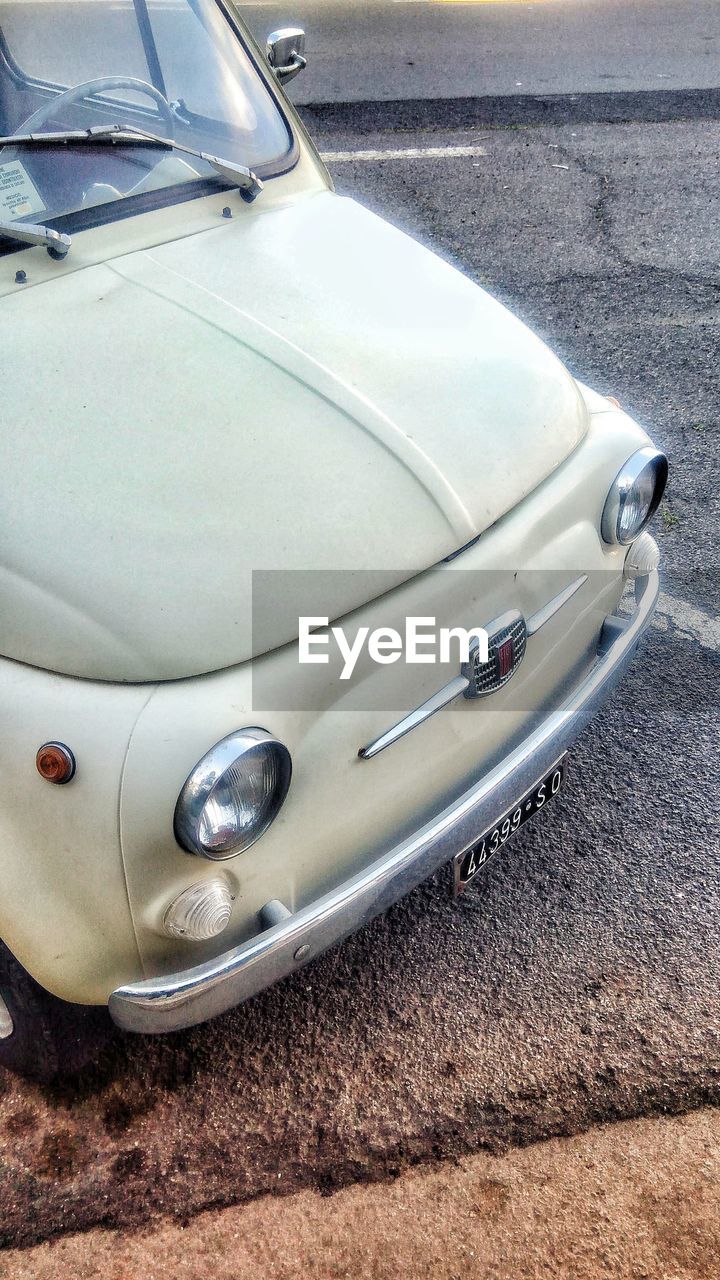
[(286, 52)]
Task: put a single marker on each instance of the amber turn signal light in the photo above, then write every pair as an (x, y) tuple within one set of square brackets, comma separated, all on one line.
[(55, 762)]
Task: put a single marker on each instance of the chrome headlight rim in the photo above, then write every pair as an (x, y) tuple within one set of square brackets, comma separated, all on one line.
[(242, 744), (622, 489)]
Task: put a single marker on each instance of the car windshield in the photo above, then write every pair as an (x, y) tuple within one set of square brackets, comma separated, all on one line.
[(175, 68)]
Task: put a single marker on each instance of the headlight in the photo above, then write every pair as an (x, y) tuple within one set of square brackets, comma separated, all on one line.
[(635, 496), (233, 794)]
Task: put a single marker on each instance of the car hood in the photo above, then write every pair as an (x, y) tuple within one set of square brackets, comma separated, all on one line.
[(299, 390)]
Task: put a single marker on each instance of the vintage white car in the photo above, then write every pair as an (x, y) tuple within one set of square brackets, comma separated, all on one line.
[(238, 409)]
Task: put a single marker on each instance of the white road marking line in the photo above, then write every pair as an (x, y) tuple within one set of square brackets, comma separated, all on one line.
[(403, 153), (691, 622)]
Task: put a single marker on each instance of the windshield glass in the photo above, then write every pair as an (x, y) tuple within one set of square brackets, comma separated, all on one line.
[(176, 68)]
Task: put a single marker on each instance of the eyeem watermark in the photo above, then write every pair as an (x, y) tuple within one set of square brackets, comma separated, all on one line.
[(422, 642), (390, 634)]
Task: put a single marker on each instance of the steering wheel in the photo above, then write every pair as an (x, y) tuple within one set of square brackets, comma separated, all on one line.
[(89, 90)]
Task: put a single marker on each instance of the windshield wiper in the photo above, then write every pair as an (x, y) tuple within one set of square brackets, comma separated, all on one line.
[(31, 233), (238, 175)]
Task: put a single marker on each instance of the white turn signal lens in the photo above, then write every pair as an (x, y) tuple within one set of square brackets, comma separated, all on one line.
[(200, 912), (643, 557)]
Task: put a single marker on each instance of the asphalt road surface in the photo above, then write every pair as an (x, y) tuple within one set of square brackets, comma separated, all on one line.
[(375, 49), (578, 979)]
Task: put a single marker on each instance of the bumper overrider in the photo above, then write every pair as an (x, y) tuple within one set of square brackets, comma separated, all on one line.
[(183, 999)]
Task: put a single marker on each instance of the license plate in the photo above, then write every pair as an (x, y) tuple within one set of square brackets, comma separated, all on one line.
[(466, 865)]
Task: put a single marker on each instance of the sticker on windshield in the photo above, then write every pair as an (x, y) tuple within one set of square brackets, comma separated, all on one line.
[(18, 195)]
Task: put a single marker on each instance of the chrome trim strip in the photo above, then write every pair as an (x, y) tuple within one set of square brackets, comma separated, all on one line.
[(448, 693), (548, 611), (458, 686), (186, 998)]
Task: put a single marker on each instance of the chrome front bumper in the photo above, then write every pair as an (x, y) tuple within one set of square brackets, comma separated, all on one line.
[(194, 995)]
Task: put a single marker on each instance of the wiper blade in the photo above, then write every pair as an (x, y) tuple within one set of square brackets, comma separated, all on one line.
[(56, 243), (238, 175)]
